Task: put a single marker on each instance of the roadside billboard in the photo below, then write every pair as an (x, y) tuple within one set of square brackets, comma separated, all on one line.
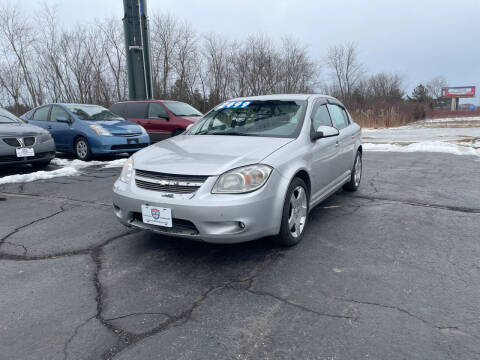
[(458, 91)]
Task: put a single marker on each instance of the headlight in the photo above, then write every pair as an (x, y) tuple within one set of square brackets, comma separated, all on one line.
[(127, 171), (100, 130), (242, 180), (143, 130), (44, 138)]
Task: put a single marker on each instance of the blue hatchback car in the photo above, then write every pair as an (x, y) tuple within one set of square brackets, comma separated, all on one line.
[(88, 130)]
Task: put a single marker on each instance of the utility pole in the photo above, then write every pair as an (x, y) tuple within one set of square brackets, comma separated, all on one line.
[(137, 45)]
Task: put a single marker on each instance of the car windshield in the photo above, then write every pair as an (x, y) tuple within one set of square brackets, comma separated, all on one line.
[(92, 113), (271, 118), (182, 109), (8, 118)]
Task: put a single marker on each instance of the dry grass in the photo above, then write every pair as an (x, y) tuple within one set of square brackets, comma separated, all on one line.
[(381, 117)]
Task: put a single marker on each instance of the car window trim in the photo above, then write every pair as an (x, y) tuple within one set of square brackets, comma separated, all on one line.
[(316, 105), (332, 118), (42, 107)]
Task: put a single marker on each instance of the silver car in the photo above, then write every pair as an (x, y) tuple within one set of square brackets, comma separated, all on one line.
[(251, 167), (21, 143)]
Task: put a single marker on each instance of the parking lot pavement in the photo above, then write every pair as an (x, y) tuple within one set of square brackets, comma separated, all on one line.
[(389, 272)]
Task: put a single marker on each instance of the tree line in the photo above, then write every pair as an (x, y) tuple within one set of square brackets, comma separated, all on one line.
[(44, 62)]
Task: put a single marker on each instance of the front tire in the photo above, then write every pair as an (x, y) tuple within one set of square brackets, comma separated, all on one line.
[(356, 174), (82, 149), (294, 215)]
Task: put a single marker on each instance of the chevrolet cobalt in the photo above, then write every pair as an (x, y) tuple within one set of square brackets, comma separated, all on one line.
[(251, 167)]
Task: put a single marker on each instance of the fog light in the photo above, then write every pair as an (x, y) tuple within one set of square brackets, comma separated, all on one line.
[(241, 224)]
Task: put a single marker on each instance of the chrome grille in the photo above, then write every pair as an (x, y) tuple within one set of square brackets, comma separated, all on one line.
[(169, 183)]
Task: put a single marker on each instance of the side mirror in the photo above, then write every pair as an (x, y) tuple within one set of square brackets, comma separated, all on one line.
[(63, 119), (324, 132), (189, 126)]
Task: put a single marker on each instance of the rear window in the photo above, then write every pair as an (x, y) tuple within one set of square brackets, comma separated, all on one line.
[(136, 110), (41, 114), (119, 109), (181, 109)]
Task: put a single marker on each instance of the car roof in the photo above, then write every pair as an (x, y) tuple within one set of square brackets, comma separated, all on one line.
[(297, 97), (147, 100)]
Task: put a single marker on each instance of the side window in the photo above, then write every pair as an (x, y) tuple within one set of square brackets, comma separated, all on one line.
[(157, 111), (57, 112), (41, 114), (136, 110), (338, 117), (119, 109), (346, 116), (321, 117)]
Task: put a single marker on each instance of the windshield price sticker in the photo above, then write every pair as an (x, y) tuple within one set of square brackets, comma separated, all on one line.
[(234, 105)]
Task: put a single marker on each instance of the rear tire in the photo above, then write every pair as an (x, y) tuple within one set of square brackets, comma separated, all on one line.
[(82, 149), (40, 165), (356, 175), (294, 215)]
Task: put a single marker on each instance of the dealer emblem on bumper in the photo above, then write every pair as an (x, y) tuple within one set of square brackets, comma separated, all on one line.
[(155, 213)]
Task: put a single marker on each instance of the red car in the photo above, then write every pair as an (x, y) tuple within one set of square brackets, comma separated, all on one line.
[(161, 118)]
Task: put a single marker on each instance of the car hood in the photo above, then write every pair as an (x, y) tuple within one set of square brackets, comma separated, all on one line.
[(118, 126), (206, 154), (20, 129)]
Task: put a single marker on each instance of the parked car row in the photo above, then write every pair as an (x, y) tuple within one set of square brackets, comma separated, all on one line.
[(88, 130), (251, 167)]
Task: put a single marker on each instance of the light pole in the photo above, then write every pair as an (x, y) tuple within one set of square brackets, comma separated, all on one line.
[(137, 47)]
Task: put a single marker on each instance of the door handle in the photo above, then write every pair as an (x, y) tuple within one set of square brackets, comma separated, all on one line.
[(336, 144)]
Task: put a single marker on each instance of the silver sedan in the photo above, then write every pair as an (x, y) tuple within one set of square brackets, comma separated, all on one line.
[(251, 167)]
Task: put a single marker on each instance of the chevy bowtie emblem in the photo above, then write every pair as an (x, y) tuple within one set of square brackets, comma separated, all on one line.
[(167, 182)]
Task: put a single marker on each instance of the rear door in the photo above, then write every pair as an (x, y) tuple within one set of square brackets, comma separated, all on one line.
[(137, 112), (61, 132), (40, 117), (159, 124), (346, 139), (325, 152)]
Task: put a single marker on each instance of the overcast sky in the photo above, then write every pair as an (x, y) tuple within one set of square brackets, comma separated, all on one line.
[(418, 39)]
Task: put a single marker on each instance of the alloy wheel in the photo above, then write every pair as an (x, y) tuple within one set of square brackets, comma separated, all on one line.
[(358, 170), (297, 214), (82, 149)]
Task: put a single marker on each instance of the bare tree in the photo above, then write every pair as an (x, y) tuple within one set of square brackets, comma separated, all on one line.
[(434, 86), (164, 42), (18, 38), (346, 69)]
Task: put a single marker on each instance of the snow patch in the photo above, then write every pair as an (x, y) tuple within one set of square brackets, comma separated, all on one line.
[(425, 146), (67, 168)]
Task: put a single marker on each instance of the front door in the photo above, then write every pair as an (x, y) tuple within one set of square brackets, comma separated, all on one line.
[(159, 124)]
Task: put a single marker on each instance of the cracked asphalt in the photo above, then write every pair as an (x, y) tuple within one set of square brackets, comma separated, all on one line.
[(389, 272)]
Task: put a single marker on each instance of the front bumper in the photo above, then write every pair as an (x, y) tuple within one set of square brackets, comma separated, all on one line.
[(44, 151), (118, 144), (215, 218)]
